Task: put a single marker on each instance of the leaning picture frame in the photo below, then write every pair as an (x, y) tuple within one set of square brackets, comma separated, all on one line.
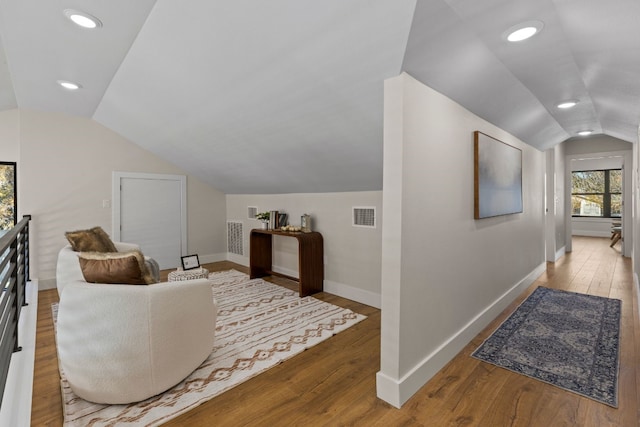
[(190, 262)]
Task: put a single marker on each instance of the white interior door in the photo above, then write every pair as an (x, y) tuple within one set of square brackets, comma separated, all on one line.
[(150, 210)]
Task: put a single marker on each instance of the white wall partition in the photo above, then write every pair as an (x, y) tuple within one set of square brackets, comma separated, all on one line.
[(549, 207), (445, 276), (10, 146), (555, 217), (10, 135), (635, 221)]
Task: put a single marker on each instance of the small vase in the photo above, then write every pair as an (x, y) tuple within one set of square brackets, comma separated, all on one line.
[(264, 225)]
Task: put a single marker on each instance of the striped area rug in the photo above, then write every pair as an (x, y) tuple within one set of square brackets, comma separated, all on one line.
[(259, 325)]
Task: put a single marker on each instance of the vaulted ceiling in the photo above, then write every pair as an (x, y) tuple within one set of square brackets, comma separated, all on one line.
[(287, 95)]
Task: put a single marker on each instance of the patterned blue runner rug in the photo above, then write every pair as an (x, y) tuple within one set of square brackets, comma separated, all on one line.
[(566, 339)]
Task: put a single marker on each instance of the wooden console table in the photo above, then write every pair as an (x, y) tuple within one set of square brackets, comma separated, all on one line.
[(310, 258)]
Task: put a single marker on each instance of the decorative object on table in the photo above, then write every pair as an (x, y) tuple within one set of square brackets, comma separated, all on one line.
[(565, 339), (263, 217), (290, 228), (282, 219), (497, 177), (305, 223), (274, 223), (259, 325), (181, 275), (190, 262)]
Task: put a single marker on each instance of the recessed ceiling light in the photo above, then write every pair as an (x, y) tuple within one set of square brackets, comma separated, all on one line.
[(83, 19), (523, 31), (567, 104), (585, 132), (69, 85)]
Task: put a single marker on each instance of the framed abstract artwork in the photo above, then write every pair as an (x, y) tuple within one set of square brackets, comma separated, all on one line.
[(497, 177)]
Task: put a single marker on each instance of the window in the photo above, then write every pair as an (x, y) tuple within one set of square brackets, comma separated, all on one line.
[(8, 198), (597, 193)]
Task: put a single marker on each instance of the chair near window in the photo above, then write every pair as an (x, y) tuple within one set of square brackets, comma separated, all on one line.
[(616, 232)]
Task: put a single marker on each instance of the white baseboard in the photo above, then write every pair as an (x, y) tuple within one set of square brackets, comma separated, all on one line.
[(636, 285), (354, 294), (16, 401), (340, 289), (238, 259), (46, 284), (286, 271), (591, 233), (388, 389), (205, 259), (397, 391), (561, 252)]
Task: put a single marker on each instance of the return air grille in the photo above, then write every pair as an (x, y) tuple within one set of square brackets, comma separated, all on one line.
[(364, 217), (234, 237)]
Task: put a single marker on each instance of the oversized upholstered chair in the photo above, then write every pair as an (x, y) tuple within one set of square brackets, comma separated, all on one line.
[(122, 343)]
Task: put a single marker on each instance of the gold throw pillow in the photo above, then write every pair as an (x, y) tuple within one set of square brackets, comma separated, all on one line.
[(92, 240), (126, 268)]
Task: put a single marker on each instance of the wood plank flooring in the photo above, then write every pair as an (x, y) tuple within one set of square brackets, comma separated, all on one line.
[(333, 383)]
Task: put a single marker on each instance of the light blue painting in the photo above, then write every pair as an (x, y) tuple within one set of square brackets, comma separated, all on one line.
[(498, 177)]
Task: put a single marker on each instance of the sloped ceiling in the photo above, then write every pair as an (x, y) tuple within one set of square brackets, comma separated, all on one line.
[(287, 96)]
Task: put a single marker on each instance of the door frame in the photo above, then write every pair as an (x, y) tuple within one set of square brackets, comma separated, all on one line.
[(626, 246), (116, 206), (550, 210)]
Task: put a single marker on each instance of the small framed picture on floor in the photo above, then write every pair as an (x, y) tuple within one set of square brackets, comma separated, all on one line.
[(190, 262)]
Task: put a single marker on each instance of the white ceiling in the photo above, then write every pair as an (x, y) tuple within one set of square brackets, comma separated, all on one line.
[(287, 95)]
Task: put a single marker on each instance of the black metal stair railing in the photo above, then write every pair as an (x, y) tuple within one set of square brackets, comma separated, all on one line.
[(14, 274)]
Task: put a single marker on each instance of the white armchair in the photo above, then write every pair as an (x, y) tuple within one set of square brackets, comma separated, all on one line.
[(125, 343)]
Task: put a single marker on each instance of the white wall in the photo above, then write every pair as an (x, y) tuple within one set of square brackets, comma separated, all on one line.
[(635, 256), (555, 215), (9, 135), (65, 173), (351, 254), (445, 276), (591, 227), (561, 214), (9, 146), (594, 144)]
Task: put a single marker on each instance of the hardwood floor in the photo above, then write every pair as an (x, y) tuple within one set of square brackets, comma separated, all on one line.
[(333, 383)]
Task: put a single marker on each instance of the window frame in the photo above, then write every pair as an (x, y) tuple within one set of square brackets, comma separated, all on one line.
[(606, 195), (15, 189)]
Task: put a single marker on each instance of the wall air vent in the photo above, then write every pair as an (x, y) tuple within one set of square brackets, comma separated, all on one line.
[(364, 216), (234, 237), (252, 211)]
